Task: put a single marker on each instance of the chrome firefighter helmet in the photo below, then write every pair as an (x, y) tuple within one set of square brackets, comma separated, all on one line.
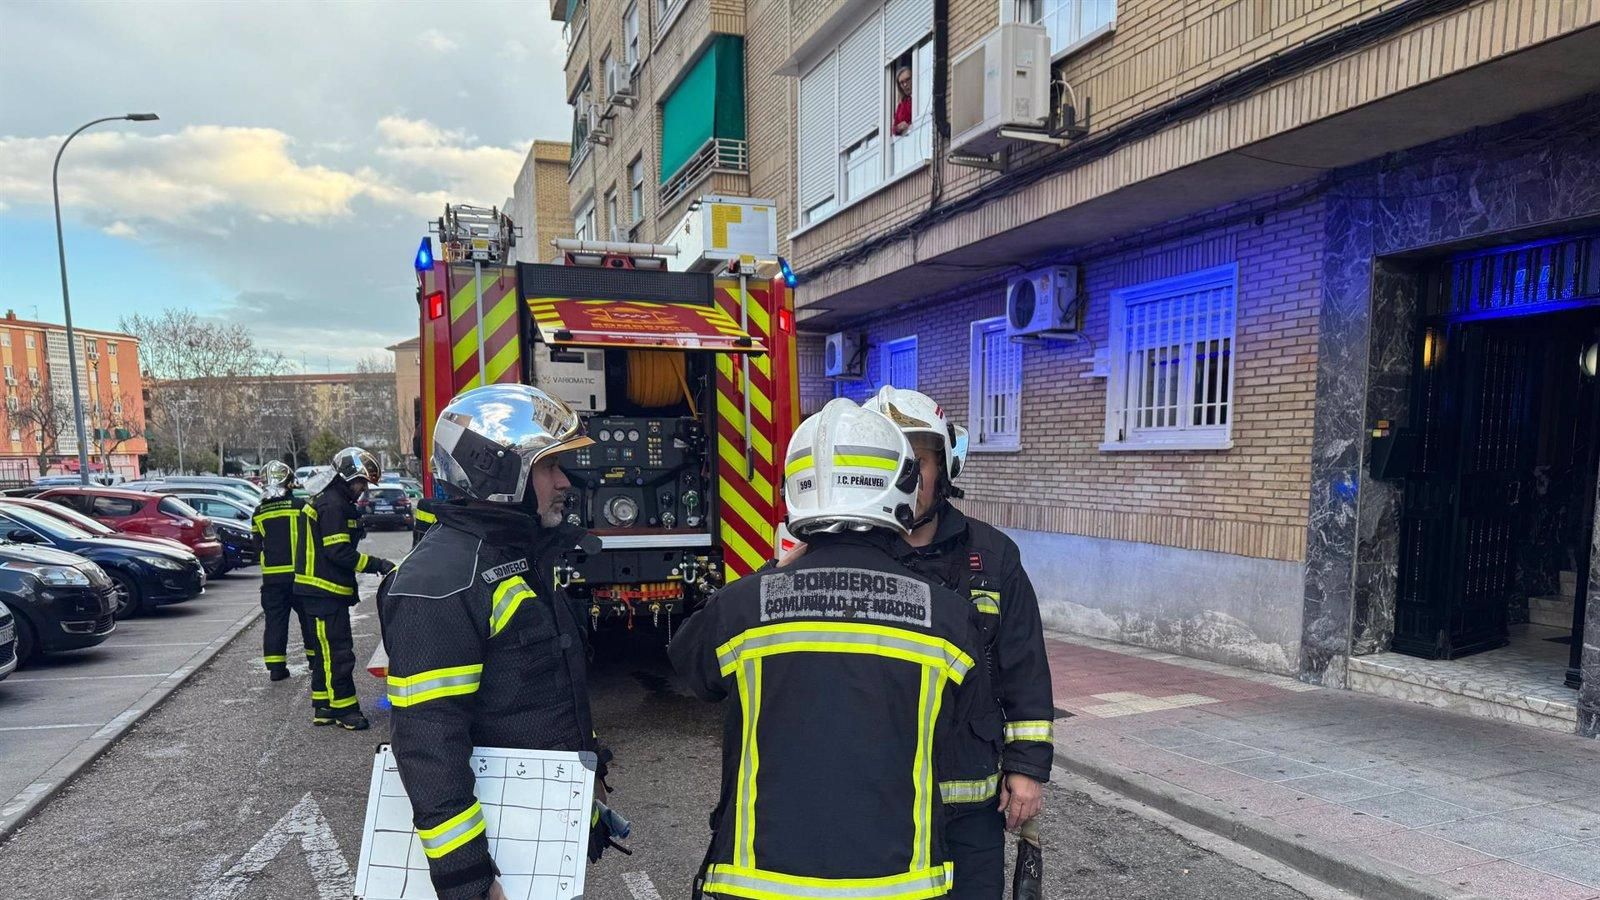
[(487, 440), (849, 468), (277, 479), (352, 463), (916, 413)]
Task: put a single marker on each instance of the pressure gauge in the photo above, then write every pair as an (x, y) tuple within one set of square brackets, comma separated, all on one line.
[(622, 512)]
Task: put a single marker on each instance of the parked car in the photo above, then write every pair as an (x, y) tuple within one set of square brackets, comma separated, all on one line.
[(215, 490), (233, 523), (385, 505), (8, 642), (73, 517), (29, 491), (58, 600), (144, 576), (242, 485), (152, 514), (411, 486)]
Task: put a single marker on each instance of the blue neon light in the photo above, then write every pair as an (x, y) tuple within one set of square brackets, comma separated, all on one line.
[(789, 278), (425, 255)]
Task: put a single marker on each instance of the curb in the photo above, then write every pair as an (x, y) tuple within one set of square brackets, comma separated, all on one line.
[(1354, 872), (17, 810)]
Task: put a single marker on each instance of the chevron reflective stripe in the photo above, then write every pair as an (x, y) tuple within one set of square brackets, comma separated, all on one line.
[(453, 832), (433, 684), (986, 601), (970, 791), (332, 539), (841, 637), (507, 598), (1031, 730), (739, 881)]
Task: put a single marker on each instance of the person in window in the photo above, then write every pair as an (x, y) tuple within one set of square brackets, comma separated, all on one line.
[(902, 109)]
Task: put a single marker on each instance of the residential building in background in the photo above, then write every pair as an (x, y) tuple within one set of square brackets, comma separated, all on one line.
[(37, 432), (538, 201), (1268, 349), (408, 396)]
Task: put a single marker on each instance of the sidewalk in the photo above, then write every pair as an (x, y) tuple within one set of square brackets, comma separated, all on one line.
[(1380, 797)]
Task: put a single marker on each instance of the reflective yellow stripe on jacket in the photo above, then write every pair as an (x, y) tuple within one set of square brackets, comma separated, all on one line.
[(453, 832), (433, 684), (507, 598), (1031, 730), (307, 573)]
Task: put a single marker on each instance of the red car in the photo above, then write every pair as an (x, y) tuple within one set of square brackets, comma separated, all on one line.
[(71, 515), (152, 514)]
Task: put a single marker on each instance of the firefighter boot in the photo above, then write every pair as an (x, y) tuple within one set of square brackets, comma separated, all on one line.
[(278, 672), (352, 721)]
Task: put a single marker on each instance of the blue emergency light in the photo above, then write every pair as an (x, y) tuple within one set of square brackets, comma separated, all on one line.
[(789, 278), (425, 255)]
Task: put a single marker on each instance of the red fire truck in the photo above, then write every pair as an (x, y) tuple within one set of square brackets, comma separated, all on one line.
[(686, 381)]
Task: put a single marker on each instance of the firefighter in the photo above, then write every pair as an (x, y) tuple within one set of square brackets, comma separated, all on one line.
[(483, 647), (325, 584), (848, 671), (276, 524), (995, 776), (423, 520)]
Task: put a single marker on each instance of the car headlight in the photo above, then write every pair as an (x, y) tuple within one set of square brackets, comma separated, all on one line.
[(61, 575), (161, 562)]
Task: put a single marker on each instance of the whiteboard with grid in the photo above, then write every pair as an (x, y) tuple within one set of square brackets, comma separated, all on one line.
[(536, 809)]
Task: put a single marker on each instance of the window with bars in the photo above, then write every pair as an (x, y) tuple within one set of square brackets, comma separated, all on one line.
[(1172, 343), (995, 377), (900, 363)]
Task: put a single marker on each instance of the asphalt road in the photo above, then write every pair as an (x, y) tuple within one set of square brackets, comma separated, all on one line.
[(227, 792), (61, 701)]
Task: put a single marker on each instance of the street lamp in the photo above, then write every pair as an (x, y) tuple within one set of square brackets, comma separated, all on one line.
[(66, 301)]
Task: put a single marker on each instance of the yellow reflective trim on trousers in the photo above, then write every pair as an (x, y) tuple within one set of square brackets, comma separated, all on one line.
[(798, 465), (270, 658), (970, 791), (508, 598), (845, 637), (755, 884), (864, 462), (334, 700), (434, 684), (986, 601), (332, 539), (1041, 730), (449, 835)]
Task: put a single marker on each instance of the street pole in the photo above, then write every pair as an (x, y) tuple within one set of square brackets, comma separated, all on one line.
[(66, 299)]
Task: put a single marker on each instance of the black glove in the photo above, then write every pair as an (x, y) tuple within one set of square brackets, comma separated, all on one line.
[(384, 566), (601, 834)]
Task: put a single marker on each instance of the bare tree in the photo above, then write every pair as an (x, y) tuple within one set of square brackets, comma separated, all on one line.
[(114, 425), (43, 413)]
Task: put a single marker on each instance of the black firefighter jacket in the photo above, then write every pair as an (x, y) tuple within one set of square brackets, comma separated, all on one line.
[(847, 669), (1012, 730), (277, 526), (483, 651), (325, 572)]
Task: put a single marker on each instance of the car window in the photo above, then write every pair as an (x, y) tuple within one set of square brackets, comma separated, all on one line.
[(172, 506), (71, 515), (46, 524), (388, 495), (114, 507)]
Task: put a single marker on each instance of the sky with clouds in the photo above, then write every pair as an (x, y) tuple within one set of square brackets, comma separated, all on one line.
[(301, 152)]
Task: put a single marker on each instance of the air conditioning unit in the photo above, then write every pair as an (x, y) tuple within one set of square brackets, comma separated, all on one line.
[(599, 128), (1003, 82), (1043, 302), (621, 82), (844, 355)]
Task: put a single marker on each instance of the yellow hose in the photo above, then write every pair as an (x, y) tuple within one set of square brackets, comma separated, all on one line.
[(655, 378)]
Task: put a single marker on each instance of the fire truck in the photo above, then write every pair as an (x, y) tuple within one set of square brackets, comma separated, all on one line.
[(683, 370)]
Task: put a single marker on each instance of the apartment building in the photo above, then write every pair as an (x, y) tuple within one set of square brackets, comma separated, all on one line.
[(538, 201), (408, 391), (1318, 398), (38, 434)]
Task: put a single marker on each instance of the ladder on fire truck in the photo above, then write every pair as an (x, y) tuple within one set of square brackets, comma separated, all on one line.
[(483, 235)]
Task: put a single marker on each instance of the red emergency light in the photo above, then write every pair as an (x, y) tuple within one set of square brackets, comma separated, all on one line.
[(785, 321), (436, 304)]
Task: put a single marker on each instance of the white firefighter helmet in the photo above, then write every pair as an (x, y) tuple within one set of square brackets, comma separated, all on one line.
[(916, 413), (849, 468), (488, 439)]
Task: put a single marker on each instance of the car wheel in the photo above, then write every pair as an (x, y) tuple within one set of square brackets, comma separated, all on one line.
[(126, 595), (27, 642), (215, 568)]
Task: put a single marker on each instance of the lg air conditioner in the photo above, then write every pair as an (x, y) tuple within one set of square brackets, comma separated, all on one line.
[(1002, 82), (844, 355), (1043, 302)]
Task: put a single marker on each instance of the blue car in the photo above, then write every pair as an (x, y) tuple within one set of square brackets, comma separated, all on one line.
[(145, 575)]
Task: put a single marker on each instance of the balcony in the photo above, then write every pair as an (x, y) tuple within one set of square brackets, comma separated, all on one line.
[(715, 155)]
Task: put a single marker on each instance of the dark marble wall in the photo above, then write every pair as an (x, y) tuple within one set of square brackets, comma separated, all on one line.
[(1502, 183)]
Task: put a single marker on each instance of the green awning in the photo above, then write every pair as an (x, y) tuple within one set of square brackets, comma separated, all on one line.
[(707, 103)]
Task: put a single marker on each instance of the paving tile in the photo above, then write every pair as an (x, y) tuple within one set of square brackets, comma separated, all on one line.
[(1543, 785), (1335, 757), (1337, 787), (1496, 836), (1219, 752), (1407, 776), (1334, 823), (1575, 862), (1260, 798), (1205, 779), (1507, 880), (1275, 768), (1170, 736), (1421, 853), (1565, 819), (1471, 765), (1480, 797), (1409, 809)]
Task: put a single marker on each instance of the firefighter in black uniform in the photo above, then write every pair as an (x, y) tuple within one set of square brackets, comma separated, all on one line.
[(325, 585), (276, 523), (849, 672), (993, 780), (424, 519), (484, 650)]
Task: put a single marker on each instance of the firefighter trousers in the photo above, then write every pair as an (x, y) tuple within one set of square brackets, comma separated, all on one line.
[(278, 602), (330, 649), (976, 841)]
